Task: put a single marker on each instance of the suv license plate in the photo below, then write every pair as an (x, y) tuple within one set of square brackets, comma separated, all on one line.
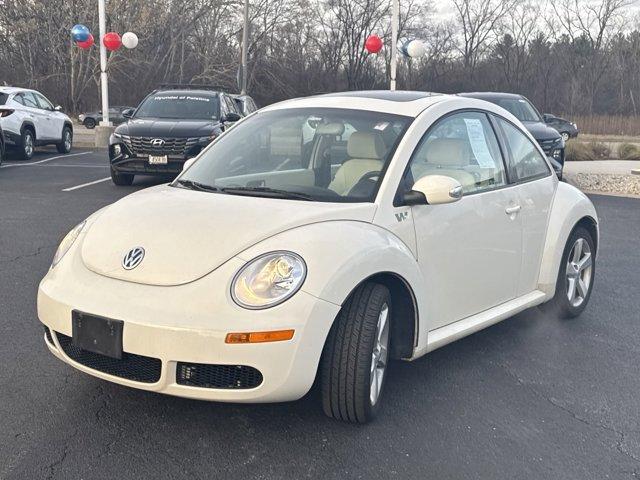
[(154, 160)]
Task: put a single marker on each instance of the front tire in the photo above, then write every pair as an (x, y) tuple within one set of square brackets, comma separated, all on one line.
[(89, 123), (356, 355), (121, 179), (67, 141), (576, 276)]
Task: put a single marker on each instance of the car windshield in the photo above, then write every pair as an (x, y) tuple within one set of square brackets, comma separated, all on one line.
[(520, 108), (326, 155), (180, 105)]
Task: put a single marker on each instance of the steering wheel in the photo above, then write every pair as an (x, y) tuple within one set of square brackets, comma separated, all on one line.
[(364, 186)]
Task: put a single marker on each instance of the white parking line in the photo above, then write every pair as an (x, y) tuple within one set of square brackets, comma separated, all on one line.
[(78, 187), (9, 165)]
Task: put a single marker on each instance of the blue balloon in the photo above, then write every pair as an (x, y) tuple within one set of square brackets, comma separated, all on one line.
[(80, 33)]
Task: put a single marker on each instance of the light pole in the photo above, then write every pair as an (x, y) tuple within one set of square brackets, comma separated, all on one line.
[(245, 47), (104, 80), (395, 25)]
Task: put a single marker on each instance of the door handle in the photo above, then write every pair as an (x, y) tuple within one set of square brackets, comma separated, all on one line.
[(513, 210)]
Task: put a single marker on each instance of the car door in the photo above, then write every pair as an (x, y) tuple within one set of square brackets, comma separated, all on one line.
[(535, 184), (52, 124), (469, 251), (35, 115)]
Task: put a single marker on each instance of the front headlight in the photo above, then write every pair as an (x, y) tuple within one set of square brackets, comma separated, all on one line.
[(67, 242), (268, 280)]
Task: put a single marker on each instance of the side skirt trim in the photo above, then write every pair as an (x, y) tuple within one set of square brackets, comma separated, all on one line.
[(450, 333)]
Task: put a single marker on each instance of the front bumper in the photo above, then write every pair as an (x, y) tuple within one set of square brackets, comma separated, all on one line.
[(188, 324)]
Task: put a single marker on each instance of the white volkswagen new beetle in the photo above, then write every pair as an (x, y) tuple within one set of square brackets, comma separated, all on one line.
[(321, 237)]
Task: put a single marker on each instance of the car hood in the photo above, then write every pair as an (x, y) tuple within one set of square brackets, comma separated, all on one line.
[(541, 131), (148, 127), (187, 234)]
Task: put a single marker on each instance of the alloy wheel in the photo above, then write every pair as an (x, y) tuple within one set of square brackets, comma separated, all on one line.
[(379, 355), (28, 145), (67, 140), (579, 272)]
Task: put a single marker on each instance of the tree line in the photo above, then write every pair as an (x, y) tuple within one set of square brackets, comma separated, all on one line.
[(579, 57)]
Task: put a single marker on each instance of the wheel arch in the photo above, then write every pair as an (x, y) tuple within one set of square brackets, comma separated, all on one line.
[(29, 126), (359, 253), (570, 209)]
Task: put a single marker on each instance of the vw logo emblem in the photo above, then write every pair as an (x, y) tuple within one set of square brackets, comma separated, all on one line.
[(133, 258), (157, 142)]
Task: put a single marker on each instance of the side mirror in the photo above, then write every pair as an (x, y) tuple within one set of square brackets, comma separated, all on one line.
[(434, 190), (231, 117), (5, 112), (547, 117), (188, 163), (128, 113), (57, 108)]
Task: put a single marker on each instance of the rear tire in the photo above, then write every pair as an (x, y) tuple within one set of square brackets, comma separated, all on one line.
[(121, 179), (356, 355), (576, 276), (27, 144), (89, 123), (67, 141), (565, 136)]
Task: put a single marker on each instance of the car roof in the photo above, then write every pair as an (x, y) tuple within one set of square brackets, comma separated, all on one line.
[(11, 90), (491, 95), (406, 103)]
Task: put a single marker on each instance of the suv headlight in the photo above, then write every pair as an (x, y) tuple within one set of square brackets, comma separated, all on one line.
[(268, 280), (67, 242)]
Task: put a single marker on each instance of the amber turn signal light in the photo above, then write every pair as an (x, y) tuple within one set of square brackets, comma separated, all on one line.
[(260, 337)]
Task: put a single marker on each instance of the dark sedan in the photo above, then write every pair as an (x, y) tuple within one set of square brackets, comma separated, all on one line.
[(566, 128), (91, 119)]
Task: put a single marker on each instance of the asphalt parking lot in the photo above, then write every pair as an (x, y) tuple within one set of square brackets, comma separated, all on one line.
[(533, 397)]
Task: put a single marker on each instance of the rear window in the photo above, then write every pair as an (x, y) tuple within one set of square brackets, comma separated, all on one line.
[(180, 106), (3, 98)]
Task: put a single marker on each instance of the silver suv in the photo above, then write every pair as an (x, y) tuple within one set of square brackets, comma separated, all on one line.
[(35, 122)]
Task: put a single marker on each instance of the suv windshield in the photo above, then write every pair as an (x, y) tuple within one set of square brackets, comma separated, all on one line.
[(172, 105), (520, 108), (327, 155)]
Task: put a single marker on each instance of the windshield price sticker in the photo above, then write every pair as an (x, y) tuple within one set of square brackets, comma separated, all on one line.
[(479, 143)]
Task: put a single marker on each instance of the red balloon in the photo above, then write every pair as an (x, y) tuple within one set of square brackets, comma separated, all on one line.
[(88, 43), (112, 41), (373, 44)]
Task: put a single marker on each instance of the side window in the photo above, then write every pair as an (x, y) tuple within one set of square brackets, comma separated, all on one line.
[(29, 100), (525, 161), (44, 103), (462, 146), (18, 99)]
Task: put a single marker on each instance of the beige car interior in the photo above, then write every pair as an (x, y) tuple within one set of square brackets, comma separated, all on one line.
[(453, 157), (366, 152)]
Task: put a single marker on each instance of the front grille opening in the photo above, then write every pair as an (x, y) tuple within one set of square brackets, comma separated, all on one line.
[(229, 377), (131, 367)]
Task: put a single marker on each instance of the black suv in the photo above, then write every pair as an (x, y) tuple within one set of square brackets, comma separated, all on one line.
[(549, 139), (171, 125)]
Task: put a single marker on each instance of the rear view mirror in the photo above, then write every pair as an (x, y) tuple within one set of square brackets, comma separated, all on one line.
[(434, 190), (128, 113)]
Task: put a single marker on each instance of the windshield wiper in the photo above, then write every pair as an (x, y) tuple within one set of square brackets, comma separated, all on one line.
[(201, 187), (267, 192)]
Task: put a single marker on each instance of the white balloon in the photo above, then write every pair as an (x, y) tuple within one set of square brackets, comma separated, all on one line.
[(416, 49), (130, 40)]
